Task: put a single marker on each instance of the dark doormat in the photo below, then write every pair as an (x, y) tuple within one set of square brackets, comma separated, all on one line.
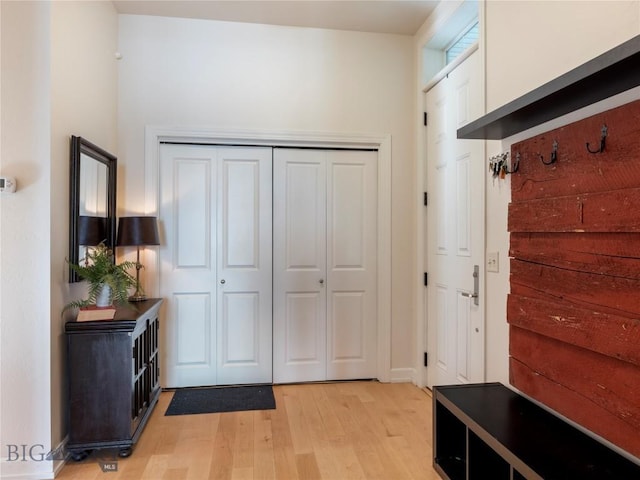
[(188, 401)]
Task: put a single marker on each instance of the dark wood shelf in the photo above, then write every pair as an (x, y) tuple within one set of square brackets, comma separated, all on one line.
[(611, 73), (490, 431)]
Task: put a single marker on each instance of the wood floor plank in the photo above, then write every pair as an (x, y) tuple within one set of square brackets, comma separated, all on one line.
[(263, 461), (324, 431), (283, 455)]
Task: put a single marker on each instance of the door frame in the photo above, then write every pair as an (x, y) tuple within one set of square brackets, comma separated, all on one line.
[(155, 134)]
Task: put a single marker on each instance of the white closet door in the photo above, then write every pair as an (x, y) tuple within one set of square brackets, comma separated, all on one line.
[(299, 257), (244, 248), (215, 264), (324, 265), (352, 260), (187, 216)]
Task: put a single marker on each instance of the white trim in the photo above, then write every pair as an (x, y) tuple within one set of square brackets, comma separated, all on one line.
[(450, 67), (156, 134), (403, 375)]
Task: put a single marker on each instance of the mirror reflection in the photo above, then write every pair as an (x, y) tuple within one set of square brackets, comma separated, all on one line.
[(93, 187)]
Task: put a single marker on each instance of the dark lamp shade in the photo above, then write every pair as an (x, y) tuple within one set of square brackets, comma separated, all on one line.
[(137, 231), (91, 230)]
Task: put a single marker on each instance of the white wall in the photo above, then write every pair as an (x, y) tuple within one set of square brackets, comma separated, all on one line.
[(529, 43), (240, 76), (25, 416), (59, 78)]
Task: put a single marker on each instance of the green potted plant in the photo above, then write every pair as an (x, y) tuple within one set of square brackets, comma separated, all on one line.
[(108, 281)]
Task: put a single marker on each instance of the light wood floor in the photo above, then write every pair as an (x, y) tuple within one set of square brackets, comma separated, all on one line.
[(328, 431)]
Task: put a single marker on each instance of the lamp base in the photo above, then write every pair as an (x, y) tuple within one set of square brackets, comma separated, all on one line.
[(138, 295)]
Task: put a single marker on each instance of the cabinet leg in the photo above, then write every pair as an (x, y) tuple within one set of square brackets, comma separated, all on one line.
[(125, 452), (80, 455)]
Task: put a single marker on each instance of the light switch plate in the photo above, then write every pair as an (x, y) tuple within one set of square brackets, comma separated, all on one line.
[(493, 264)]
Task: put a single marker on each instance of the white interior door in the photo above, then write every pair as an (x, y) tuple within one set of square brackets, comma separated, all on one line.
[(455, 230), (215, 264), (351, 264), (300, 262), (244, 247), (324, 265)]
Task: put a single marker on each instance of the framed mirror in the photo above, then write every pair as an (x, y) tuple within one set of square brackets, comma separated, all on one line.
[(92, 213)]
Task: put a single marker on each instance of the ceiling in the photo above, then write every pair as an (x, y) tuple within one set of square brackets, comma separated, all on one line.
[(402, 17)]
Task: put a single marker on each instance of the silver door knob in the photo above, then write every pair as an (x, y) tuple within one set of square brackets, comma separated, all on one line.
[(223, 281)]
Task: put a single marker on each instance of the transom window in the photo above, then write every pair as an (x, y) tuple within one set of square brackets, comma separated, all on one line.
[(464, 41)]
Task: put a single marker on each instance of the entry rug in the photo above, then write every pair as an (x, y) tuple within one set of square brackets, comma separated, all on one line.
[(189, 401)]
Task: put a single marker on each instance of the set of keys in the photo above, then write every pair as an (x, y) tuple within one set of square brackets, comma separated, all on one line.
[(499, 165)]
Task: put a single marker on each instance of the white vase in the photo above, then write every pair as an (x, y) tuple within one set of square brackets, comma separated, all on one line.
[(104, 297)]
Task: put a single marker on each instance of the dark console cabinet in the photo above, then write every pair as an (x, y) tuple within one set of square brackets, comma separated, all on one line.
[(487, 430), (113, 373)]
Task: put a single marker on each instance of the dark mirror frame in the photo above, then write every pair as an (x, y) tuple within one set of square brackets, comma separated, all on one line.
[(80, 146)]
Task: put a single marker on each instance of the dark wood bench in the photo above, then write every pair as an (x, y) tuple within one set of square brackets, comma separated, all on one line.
[(488, 431)]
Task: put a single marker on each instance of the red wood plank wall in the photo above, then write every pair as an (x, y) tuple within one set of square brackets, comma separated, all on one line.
[(574, 306)]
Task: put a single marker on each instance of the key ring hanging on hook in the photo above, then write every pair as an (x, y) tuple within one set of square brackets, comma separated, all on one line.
[(499, 165)]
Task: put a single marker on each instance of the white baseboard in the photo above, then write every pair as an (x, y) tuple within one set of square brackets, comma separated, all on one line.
[(402, 375), (60, 460)]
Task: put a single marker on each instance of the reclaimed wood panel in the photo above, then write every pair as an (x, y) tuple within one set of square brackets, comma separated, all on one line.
[(602, 253), (611, 335), (574, 307), (603, 293), (575, 406), (611, 384), (614, 211), (576, 170)]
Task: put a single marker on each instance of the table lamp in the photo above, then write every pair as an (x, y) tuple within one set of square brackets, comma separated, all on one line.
[(137, 232)]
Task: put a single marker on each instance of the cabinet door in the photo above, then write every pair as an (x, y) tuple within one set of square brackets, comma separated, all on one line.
[(100, 388)]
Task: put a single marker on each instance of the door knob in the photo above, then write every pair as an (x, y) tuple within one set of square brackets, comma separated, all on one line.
[(223, 281), (321, 281)]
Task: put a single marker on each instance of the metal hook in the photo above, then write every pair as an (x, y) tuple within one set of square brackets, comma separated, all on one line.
[(554, 154), (603, 141), (516, 164)]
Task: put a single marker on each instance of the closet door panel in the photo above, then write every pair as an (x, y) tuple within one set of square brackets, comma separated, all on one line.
[(244, 265), (299, 265), (187, 217), (352, 260)]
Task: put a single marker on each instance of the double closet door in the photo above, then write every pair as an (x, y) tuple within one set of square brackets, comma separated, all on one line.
[(215, 264), (268, 264), (325, 260)]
